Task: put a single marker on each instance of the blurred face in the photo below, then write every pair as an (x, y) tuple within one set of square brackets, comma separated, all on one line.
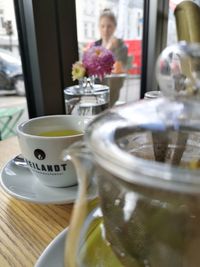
[(106, 28)]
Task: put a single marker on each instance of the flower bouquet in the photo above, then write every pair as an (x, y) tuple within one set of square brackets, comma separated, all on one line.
[(90, 98), (96, 63)]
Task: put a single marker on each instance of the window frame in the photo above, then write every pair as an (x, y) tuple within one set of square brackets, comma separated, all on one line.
[(48, 46), (155, 22)]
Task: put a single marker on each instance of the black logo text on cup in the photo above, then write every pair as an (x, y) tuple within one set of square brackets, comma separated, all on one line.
[(39, 154)]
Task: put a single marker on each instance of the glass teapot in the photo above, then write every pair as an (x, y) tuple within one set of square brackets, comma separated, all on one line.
[(146, 157)]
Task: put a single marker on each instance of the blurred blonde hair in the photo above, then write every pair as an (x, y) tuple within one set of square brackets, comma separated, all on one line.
[(107, 13)]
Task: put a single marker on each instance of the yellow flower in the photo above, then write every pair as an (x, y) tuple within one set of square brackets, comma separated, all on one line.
[(78, 71)]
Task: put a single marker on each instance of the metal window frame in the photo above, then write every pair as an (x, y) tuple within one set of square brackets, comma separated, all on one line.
[(154, 41), (48, 45)]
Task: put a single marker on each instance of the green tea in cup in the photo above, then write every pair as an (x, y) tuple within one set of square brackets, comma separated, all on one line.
[(62, 132)]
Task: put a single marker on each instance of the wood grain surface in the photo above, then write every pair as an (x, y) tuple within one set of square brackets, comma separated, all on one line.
[(26, 229)]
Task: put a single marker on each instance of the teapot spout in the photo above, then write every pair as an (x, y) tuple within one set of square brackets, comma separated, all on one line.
[(79, 154), (78, 151)]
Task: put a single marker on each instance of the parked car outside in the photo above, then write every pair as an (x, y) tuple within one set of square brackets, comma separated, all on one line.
[(11, 75)]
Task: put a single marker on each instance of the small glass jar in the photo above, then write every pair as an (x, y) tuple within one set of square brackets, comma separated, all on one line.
[(152, 94), (86, 101)]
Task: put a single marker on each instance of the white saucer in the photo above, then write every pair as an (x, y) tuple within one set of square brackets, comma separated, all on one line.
[(19, 182), (53, 255)]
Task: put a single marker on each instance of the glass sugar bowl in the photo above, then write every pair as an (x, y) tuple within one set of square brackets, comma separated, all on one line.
[(86, 99)]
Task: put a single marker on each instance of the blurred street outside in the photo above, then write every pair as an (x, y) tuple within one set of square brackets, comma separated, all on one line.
[(12, 101)]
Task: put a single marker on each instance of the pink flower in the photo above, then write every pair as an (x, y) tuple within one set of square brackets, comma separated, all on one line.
[(98, 61)]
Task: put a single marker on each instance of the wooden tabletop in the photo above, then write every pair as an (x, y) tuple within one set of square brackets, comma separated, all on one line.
[(25, 228)]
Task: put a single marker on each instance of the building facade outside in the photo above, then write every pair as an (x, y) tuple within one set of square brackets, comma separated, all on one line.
[(8, 29), (129, 16)]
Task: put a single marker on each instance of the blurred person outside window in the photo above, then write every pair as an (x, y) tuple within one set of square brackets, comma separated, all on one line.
[(107, 27)]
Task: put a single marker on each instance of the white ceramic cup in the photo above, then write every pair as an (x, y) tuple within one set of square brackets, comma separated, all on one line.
[(44, 154)]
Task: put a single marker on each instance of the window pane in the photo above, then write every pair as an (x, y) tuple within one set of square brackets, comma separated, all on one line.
[(129, 16), (12, 90)]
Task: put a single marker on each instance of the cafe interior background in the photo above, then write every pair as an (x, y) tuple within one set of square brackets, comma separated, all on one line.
[(47, 37)]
